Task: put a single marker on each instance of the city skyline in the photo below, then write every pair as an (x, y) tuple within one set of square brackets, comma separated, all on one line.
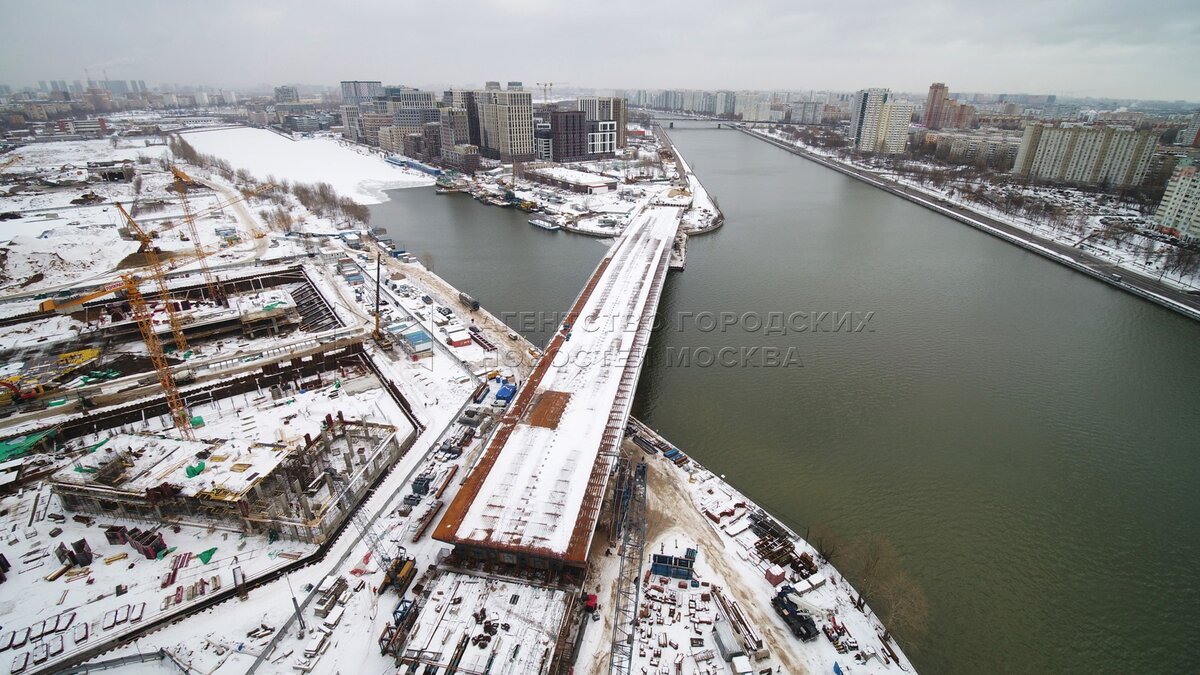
[(1057, 50)]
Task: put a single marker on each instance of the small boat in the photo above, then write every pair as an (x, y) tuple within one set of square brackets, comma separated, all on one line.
[(81, 633), (20, 662), (110, 619), (41, 653), (56, 645), (123, 614), (64, 621), (545, 223), (21, 638), (135, 614)]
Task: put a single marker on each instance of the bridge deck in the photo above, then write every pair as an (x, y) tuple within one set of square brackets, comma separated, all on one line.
[(538, 487)]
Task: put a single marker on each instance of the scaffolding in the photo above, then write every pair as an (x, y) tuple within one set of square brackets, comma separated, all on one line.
[(631, 500)]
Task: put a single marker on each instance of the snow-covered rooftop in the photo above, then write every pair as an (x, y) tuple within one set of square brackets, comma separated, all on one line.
[(573, 176), (230, 467)]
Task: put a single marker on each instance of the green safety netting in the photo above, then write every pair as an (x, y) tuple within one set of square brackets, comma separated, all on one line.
[(193, 471), (205, 556), (15, 447)]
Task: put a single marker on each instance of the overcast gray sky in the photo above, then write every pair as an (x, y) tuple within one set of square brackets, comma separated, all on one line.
[(1119, 48)]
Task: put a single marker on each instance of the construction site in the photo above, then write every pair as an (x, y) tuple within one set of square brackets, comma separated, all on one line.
[(329, 455)]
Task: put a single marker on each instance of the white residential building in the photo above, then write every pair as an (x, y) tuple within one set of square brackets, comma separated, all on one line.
[(505, 124), (1115, 157), (1179, 209), (877, 123), (1191, 133)]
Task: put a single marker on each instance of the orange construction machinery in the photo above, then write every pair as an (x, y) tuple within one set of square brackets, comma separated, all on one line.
[(156, 272), (141, 314), (140, 309), (61, 305)]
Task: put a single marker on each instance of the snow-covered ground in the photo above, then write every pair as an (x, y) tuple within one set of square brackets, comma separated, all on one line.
[(352, 171), (59, 154)]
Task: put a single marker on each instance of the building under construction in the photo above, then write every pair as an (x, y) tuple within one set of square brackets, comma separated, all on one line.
[(299, 489)]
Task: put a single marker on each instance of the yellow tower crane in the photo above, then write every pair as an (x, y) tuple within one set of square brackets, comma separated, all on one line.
[(160, 281), (182, 180), (141, 314)]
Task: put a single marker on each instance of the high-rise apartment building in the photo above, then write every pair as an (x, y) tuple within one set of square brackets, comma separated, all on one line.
[(866, 108), (465, 99), (808, 112), (607, 109), (877, 123), (894, 121), (358, 91), (1179, 210), (1113, 157), (1190, 136), (943, 112), (455, 148), (286, 94), (505, 124), (568, 135), (935, 105), (407, 97)]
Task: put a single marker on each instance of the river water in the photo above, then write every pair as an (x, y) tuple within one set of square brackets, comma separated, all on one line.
[(1025, 436)]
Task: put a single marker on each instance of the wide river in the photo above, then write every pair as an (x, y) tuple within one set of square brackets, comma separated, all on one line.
[(1026, 437)]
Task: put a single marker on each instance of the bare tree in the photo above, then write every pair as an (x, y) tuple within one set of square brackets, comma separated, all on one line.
[(828, 544), (869, 560), (903, 606)]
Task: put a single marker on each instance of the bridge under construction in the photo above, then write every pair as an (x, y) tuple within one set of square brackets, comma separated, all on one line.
[(533, 499)]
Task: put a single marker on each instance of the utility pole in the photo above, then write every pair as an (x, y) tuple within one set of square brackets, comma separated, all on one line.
[(296, 605)]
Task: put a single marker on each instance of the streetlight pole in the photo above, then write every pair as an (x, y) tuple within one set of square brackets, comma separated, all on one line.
[(295, 604)]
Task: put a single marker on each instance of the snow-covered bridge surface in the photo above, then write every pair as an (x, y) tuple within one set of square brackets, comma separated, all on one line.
[(537, 489)]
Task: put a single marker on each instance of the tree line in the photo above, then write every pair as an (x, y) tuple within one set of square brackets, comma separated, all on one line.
[(319, 198)]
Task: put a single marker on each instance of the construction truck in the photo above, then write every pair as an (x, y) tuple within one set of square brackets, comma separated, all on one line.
[(798, 619)]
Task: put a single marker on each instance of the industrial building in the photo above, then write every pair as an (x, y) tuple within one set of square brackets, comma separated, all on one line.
[(570, 179)]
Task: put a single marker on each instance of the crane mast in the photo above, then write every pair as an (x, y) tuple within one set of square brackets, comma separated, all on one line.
[(156, 271), (182, 180), (141, 314)]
